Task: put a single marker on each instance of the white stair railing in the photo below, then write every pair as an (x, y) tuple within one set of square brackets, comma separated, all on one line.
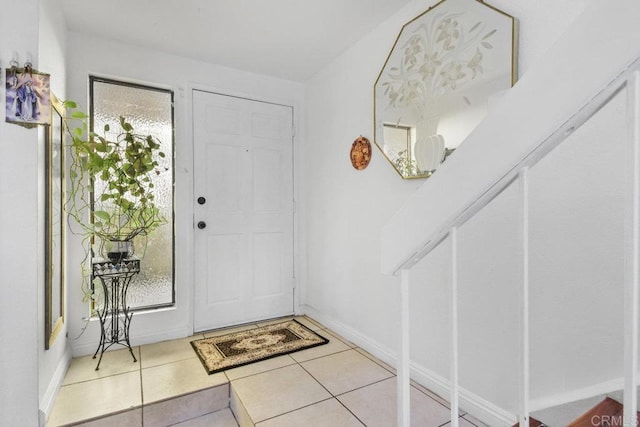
[(632, 252), (595, 59)]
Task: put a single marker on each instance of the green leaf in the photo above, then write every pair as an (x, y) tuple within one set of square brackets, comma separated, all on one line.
[(126, 126), (102, 215), (106, 127), (101, 148), (78, 115), (69, 104)]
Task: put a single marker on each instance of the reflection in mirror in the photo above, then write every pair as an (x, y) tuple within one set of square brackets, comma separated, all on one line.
[(54, 224), (398, 146), (444, 69)]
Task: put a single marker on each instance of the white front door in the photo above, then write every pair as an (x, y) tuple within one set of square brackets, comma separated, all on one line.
[(243, 191)]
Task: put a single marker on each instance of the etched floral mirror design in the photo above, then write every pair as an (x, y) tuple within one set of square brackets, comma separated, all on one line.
[(445, 69)]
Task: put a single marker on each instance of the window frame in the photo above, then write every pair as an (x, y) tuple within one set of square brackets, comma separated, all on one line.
[(172, 221)]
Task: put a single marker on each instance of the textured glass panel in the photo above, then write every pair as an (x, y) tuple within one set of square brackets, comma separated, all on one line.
[(150, 111)]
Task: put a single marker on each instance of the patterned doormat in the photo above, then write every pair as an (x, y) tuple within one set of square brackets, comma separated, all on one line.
[(241, 348)]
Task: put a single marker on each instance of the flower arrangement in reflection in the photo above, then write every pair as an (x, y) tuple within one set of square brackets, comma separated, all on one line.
[(438, 58)]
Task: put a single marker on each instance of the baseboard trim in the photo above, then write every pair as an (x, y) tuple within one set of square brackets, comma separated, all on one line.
[(383, 353), (46, 404), (88, 348), (472, 403)]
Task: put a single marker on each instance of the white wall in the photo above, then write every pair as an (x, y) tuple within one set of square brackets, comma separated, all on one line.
[(88, 55), (53, 362), (343, 209), (347, 208), (577, 262), (19, 251)]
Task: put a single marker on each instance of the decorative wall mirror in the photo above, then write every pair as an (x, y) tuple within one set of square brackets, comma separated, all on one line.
[(54, 224), (446, 67)]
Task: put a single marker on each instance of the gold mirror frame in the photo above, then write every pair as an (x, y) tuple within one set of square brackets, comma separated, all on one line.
[(54, 223), (444, 70)]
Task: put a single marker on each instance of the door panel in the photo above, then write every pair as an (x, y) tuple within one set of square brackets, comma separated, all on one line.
[(268, 277), (224, 268), (222, 178), (243, 151)]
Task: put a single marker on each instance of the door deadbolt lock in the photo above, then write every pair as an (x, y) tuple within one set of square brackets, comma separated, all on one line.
[(202, 225), (202, 200)]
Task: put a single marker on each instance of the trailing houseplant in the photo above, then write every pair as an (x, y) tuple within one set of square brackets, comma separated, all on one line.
[(111, 199)]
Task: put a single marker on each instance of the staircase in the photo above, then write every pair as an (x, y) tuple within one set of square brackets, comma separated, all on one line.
[(584, 74), (606, 413)]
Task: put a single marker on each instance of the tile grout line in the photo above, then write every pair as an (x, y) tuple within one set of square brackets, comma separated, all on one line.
[(328, 391), (261, 372), (375, 360), (350, 411), (320, 357), (294, 410), (335, 396), (364, 386)]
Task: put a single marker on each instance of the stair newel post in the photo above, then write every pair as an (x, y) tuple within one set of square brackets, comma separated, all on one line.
[(523, 185), (455, 405), (632, 251), (404, 386)]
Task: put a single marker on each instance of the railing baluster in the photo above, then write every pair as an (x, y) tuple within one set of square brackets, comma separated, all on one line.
[(403, 378), (523, 184), (454, 327), (632, 252)]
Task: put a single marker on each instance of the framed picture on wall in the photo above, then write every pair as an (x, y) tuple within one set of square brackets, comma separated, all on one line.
[(54, 223), (28, 101)]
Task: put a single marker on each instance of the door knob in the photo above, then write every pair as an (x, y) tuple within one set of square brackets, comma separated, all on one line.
[(202, 200), (202, 225)]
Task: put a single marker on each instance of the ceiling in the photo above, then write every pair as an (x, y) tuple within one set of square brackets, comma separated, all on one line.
[(289, 39)]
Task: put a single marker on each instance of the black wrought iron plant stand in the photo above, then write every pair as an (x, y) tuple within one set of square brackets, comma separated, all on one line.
[(115, 317)]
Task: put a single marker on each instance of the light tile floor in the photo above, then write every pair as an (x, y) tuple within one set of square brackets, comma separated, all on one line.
[(334, 385)]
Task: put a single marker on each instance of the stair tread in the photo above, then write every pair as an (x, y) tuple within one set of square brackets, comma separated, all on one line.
[(608, 407), (532, 423)]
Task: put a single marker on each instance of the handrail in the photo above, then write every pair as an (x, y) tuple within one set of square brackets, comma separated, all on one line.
[(550, 101), (587, 66)]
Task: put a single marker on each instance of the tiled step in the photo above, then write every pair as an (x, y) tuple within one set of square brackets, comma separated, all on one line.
[(187, 407), (169, 412), (239, 411)]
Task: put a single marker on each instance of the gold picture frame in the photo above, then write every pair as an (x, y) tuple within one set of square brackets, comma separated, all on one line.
[(54, 223)]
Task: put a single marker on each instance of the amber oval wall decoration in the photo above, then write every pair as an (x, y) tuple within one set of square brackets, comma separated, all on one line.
[(360, 153)]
